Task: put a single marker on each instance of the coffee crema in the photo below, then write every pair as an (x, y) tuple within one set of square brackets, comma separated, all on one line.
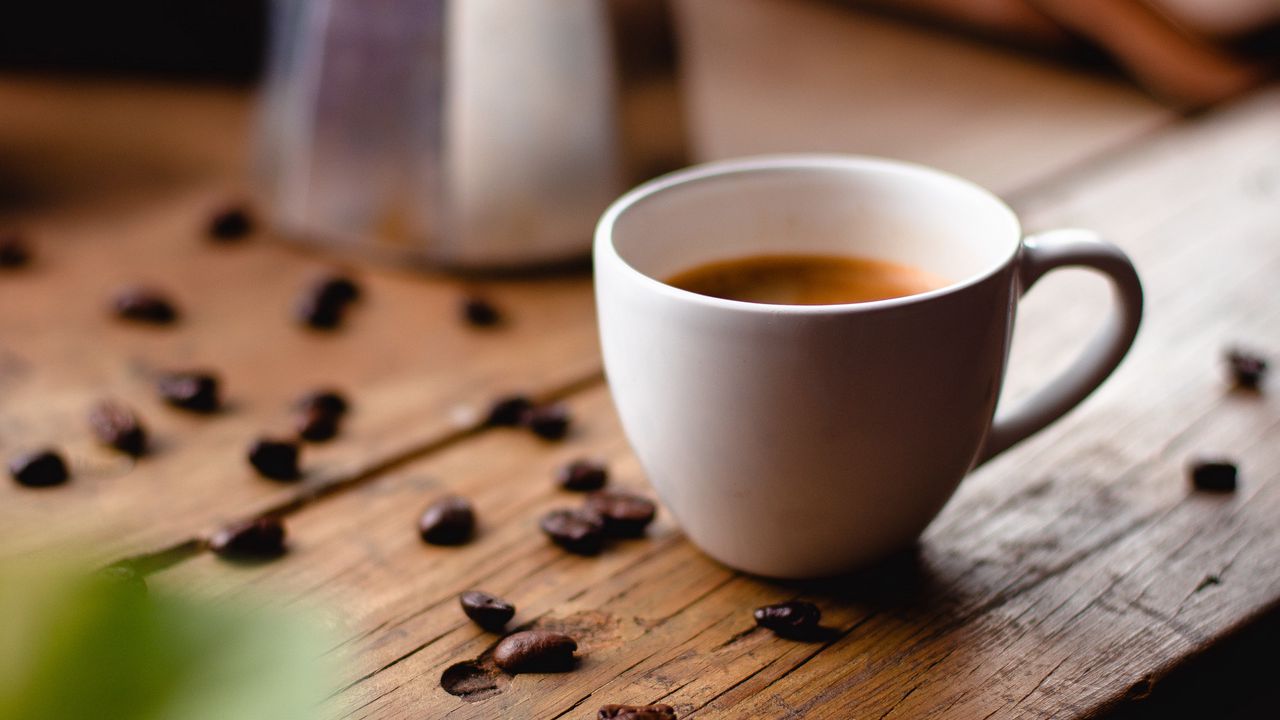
[(806, 279)]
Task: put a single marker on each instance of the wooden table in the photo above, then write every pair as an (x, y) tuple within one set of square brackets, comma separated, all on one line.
[(1071, 576)]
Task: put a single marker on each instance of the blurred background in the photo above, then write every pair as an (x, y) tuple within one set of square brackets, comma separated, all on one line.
[(100, 100)]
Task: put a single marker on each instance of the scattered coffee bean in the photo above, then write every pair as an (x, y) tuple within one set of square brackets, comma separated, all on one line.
[(479, 312), (327, 401), (115, 425), (1215, 475), (583, 475), (194, 391), (15, 251), (319, 414), (789, 619), (1247, 369), (256, 539), (324, 302), (535, 651), (144, 304), (636, 712), (317, 426), (549, 422), (625, 515), (336, 288), (580, 531), (318, 315), (508, 411), (230, 223), (488, 611), (275, 459), (448, 521), (42, 468)]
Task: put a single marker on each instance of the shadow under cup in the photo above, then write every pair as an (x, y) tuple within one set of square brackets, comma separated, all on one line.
[(806, 440)]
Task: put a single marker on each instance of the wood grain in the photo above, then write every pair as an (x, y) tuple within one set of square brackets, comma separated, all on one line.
[(1065, 578)]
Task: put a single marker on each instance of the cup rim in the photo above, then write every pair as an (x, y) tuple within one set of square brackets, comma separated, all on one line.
[(605, 250)]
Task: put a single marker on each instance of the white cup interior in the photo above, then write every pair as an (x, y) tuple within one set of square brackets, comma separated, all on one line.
[(823, 205)]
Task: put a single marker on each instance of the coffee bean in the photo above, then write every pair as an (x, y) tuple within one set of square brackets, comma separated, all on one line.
[(42, 468), (261, 538), (583, 474), (144, 304), (327, 401), (317, 426), (625, 514), (789, 619), (579, 531), (195, 391), (508, 411), (324, 302), (488, 611), (636, 712), (549, 422), (448, 521), (275, 459), (479, 312), (230, 223), (1247, 369), (115, 425), (15, 251), (336, 288), (1216, 475), (535, 651)]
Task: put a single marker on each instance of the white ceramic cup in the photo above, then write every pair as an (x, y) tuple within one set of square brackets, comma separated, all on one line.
[(803, 441)]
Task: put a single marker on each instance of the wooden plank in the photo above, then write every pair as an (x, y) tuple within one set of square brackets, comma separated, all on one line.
[(1065, 577), (416, 373)]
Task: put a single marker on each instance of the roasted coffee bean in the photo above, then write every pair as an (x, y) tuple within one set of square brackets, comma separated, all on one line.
[(330, 402), (583, 475), (275, 459), (479, 312), (42, 468), (336, 288), (230, 223), (579, 531), (1247, 369), (1215, 475), (316, 425), (319, 315), (115, 425), (256, 539), (625, 514), (323, 304), (488, 611), (508, 411), (535, 651), (448, 521), (194, 391), (15, 252), (549, 422), (636, 712), (789, 619), (144, 304)]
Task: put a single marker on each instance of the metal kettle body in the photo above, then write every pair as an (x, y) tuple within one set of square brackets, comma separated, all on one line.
[(466, 133)]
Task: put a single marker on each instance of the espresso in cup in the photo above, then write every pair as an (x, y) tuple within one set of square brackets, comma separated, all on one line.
[(806, 279)]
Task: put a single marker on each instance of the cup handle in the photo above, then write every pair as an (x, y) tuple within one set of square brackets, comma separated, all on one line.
[(1047, 251)]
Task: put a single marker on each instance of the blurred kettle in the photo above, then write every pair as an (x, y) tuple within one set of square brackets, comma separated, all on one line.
[(466, 133)]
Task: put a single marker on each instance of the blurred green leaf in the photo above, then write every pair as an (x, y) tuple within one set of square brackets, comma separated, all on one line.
[(75, 647)]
